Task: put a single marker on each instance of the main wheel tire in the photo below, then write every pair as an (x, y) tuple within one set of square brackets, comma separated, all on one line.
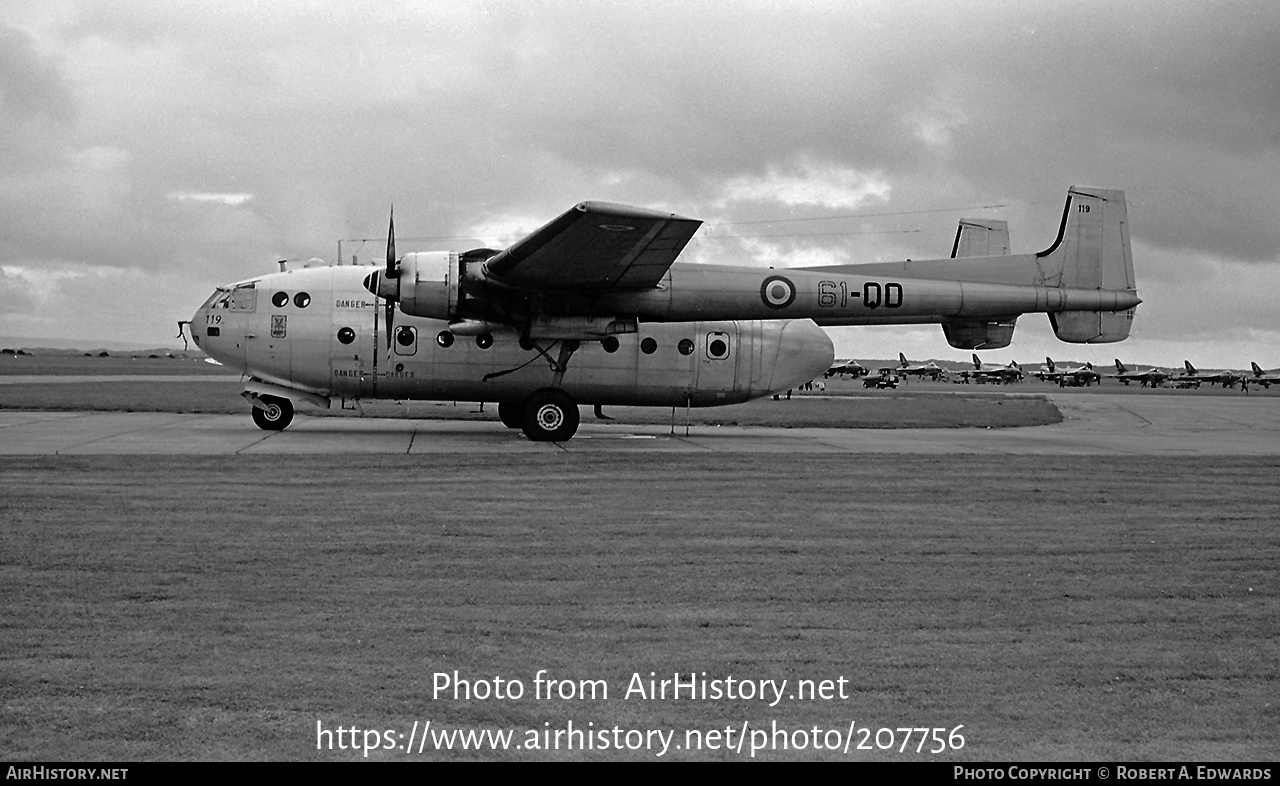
[(549, 416), (511, 413), (277, 416)]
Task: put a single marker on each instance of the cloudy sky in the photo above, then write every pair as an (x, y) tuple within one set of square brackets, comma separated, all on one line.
[(152, 150)]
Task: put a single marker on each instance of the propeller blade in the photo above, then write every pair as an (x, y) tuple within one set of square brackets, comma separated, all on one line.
[(392, 270)]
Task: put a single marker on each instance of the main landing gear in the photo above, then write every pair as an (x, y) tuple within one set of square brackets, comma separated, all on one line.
[(549, 415)]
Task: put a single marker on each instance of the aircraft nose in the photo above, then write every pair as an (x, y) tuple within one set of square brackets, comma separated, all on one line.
[(196, 327), (805, 352)]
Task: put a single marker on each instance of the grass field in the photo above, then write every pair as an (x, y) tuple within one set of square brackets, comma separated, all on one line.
[(878, 409), (1057, 608), (845, 403), (67, 363), (850, 405)]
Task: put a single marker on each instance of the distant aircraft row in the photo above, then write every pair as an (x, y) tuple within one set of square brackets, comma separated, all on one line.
[(1081, 376)]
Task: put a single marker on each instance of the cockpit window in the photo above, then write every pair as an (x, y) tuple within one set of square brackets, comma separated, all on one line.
[(244, 297), (218, 299)]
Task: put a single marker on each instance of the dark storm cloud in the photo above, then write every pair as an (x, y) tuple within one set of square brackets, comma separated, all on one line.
[(1174, 103), (206, 140)]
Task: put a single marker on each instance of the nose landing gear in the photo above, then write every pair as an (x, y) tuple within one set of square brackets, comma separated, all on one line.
[(272, 413)]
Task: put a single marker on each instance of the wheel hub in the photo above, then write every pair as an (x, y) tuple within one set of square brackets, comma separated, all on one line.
[(550, 417)]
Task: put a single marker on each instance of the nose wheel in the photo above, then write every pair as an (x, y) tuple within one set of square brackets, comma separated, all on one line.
[(272, 413)]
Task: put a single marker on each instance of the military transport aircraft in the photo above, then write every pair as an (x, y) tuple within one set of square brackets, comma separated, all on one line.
[(593, 308), (1152, 377), (1264, 378)]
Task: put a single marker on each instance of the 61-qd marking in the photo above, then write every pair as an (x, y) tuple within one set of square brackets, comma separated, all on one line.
[(874, 294)]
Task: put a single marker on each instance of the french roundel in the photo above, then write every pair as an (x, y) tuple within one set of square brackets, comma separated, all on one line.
[(777, 292)]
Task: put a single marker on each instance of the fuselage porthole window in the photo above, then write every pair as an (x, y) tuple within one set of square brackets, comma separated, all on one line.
[(444, 338), (302, 300), (484, 340), (280, 299), (685, 346), (609, 344), (346, 335), (649, 346)]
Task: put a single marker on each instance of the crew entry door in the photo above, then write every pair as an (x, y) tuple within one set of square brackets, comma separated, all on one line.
[(716, 361)]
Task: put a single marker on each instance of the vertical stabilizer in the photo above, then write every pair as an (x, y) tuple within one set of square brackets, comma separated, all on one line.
[(980, 237), (1091, 252)]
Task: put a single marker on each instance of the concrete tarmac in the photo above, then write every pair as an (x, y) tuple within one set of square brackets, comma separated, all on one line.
[(1099, 424)]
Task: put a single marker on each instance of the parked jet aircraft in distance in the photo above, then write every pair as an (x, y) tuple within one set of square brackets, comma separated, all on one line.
[(931, 370), (1152, 377), (1264, 378), (842, 366), (593, 308), (1075, 377), (1192, 377), (988, 372)]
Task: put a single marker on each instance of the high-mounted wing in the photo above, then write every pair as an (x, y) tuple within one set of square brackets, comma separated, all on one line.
[(595, 246)]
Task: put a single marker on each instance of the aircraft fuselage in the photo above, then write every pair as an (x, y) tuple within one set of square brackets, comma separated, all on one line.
[(319, 334)]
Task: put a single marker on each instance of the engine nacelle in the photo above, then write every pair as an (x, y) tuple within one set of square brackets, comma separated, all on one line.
[(979, 334), (428, 284)]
